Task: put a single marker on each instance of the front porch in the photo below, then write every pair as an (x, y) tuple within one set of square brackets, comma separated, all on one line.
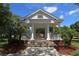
[(41, 20), (38, 34)]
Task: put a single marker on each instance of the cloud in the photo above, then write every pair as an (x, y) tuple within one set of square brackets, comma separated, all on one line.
[(50, 9), (61, 17), (73, 11)]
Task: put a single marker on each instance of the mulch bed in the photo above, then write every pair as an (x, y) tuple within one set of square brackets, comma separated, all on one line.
[(64, 50), (12, 48)]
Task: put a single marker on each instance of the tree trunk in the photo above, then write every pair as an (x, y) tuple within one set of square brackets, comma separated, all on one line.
[(10, 38), (20, 36), (70, 40), (1, 36), (14, 36)]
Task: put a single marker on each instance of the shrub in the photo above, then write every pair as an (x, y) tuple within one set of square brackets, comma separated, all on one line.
[(16, 42), (66, 39), (67, 35)]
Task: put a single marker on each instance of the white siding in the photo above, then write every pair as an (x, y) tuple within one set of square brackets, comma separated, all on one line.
[(36, 17)]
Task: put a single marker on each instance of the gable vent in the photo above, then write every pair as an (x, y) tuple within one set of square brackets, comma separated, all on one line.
[(40, 16)]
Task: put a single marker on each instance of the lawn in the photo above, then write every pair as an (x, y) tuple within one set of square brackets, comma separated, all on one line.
[(2, 42), (75, 42), (72, 50)]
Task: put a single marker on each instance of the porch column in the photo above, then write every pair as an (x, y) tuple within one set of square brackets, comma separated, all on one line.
[(45, 32), (32, 35), (48, 34)]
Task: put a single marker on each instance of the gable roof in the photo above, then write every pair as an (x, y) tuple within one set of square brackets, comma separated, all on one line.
[(45, 12)]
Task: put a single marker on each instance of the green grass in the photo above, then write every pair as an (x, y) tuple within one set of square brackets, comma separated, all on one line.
[(75, 42), (75, 53), (3, 42)]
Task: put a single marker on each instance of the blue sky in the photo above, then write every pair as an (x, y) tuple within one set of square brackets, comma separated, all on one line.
[(68, 12)]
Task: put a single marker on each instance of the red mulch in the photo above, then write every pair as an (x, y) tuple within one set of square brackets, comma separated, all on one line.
[(12, 48), (64, 50)]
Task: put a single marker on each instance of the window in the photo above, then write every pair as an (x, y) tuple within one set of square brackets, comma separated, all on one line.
[(40, 16)]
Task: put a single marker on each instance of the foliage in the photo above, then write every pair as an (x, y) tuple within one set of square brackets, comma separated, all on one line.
[(54, 29), (16, 42), (40, 30), (67, 35), (16, 29), (10, 24), (75, 26), (65, 32), (5, 15)]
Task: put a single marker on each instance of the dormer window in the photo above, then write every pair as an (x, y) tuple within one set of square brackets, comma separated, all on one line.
[(40, 16)]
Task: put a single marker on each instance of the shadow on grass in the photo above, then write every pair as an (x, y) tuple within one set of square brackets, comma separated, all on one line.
[(77, 41)]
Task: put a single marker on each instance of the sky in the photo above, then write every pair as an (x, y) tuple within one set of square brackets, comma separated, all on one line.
[(67, 11)]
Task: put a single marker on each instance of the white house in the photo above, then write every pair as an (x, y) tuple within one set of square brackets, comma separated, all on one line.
[(40, 19)]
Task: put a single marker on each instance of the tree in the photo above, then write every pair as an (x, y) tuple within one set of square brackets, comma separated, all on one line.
[(54, 29), (10, 24), (22, 28), (75, 27), (67, 34), (17, 28), (5, 15), (12, 27)]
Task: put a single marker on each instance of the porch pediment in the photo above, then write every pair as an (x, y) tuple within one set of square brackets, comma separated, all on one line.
[(40, 16)]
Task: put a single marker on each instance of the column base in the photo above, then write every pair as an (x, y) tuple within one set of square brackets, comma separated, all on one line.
[(32, 39), (48, 39)]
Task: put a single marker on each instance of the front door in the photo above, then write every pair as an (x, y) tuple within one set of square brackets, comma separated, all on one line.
[(40, 33)]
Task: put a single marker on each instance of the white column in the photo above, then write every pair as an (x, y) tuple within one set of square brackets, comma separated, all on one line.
[(45, 33), (48, 34), (32, 35)]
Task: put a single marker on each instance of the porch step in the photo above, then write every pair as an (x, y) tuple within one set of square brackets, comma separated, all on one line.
[(40, 39), (40, 43)]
